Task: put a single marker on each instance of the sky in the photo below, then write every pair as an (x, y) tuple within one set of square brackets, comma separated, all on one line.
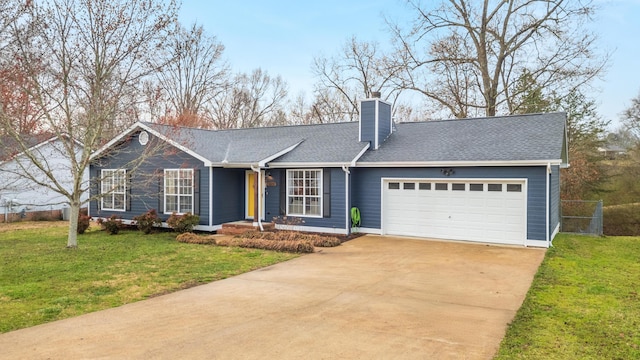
[(283, 37)]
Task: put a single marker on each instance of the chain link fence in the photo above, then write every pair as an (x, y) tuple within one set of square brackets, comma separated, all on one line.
[(581, 217)]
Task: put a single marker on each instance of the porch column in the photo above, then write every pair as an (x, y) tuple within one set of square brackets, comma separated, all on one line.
[(255, 197)]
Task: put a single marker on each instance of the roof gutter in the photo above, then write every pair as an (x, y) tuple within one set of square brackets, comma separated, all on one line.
[(460, 163)]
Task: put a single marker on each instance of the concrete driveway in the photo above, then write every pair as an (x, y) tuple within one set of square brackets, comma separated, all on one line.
[(371, 298)]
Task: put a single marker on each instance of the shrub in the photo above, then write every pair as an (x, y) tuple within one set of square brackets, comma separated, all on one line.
[(295, 246), (622, 220), (315, 239), (112, 225), (84, 222), (227, 241), (147, 221), (183, 223), (191, 238)]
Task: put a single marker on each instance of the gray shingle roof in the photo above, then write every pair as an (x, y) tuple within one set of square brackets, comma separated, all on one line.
[(502, 138), (10, 147), (507, 138), (322, 143)]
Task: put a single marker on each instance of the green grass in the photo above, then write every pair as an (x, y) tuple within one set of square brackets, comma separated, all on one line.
[(41, 280), (584, 303)]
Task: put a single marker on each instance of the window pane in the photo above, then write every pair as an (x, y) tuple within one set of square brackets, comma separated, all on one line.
[(476, 187), (514, 187), (424, 186), (118, 201), (458, 187), (296, 204), (494, 187), (409, 186), (312, 206), (185, 204), (442, 186), (171, 203), (107, 202), (394, 186)]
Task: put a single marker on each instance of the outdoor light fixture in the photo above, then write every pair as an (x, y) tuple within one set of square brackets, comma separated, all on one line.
[(269, 180), (447, 172)]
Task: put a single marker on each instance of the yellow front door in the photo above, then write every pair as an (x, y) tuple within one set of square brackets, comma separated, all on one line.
[(251, 191)]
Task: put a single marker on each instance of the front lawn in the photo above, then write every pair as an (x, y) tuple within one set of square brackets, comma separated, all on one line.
[(41, 280), (584, 303)]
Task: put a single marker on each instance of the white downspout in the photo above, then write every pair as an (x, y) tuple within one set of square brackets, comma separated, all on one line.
[(210, 202), (345, 168), (548, 238), (256, 169)]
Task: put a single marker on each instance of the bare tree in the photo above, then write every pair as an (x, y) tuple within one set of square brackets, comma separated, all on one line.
[(250, 101), (631, 116), (468, 56), (84, 60), (194, 75), (355, 73)]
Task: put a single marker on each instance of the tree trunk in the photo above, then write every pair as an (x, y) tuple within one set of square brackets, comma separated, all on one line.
[(72, 240)]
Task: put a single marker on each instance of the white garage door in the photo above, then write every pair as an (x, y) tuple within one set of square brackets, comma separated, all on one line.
[(476, 210)]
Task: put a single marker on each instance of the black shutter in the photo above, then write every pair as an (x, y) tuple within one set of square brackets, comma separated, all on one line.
[(283, 192), (97, 190), (196, 192), (128, 183), (326, 193), (160, 175)]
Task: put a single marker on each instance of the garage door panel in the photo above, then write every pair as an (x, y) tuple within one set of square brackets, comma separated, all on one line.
[(490, 216)]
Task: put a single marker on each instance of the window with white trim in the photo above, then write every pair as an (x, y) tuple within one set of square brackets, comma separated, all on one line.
[(304, 192), (178, 191), (113, 189)]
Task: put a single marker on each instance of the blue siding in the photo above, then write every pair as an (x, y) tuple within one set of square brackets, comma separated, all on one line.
[(337, 220), (367, 121), (272, 195), (384, 122), (554, 199), (367, 189), (144, 183), (228, 195)]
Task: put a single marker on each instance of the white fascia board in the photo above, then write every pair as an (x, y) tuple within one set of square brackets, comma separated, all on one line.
[(301, 165), (266, 160), (234, 165), (459, 163), (159, 135), (364, 150)]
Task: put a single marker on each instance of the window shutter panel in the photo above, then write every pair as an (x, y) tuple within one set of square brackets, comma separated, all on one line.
[(98, 191), (196, 192), (326, 193), (160, 174), (283, 192), (128, 183)]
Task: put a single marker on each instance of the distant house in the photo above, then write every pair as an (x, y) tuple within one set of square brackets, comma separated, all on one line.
[(21, 196), (611, 152), (493, 180)]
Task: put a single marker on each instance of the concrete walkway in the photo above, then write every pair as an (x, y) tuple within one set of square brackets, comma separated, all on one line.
[(370, 298)]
